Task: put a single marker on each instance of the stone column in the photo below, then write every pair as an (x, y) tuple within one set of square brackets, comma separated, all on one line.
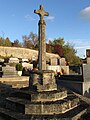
[(41, 38), (42, 44)]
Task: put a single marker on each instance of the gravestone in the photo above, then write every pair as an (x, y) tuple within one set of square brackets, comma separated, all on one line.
[(62, 62), (25, 60), (86, 72), (13, 60), (54, 62), (9, 71)]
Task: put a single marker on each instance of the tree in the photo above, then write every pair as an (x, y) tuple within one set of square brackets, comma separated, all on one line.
[(55, 46), (76, 60), (59, 41), (17, 43), (58, 49), (70, 54), (30, 41), (63, 49), (26, 42), (34, 40), (8, 42), (2, 41), (49, 48)]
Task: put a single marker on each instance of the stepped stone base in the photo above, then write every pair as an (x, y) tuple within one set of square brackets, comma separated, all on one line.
[(73, 114), (42, 107), (24, 104), (42, 100)]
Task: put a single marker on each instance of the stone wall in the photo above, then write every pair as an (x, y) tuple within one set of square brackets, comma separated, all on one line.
[(18, 52), (25, 53)]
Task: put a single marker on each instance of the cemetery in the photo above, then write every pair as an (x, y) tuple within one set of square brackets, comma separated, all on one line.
[(38, 94)]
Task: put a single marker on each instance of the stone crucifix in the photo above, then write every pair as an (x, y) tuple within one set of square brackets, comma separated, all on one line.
[(41, 38)]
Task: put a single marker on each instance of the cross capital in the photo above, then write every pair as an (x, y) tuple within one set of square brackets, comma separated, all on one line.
[(41, 12)]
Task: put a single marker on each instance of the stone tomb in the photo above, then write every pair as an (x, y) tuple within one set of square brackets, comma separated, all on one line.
[(78, 83), (9, 71)]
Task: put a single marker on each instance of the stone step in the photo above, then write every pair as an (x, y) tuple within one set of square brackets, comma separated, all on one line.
[(17, 84), (8, 68), (7, 114), (5, 76), (42, 108), (10, 72), (74, 114), (22, 94), (41, 96)]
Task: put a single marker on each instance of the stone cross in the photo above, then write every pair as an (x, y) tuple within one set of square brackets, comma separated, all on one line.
[(41, 38)]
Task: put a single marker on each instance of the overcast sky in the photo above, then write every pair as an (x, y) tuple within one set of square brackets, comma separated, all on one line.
[(69, 19)]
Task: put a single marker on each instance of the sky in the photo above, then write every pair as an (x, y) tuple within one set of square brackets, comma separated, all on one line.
[(68, 19)]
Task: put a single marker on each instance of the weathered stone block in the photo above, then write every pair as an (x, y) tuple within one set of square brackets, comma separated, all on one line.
[(51, 108), (48, 96), (43, 79)]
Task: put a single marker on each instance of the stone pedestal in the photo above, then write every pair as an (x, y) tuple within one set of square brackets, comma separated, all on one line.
[(44, 80)]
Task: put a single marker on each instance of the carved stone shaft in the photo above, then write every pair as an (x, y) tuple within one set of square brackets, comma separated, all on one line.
[(41, 38)]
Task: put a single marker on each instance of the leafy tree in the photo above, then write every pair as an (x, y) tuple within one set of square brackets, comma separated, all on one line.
[(64, 50), (58, 49), (2, 41), (8, 42), (49, 48), (76, 60), (70, 54), (55, 46), (50, 42), (17, 43), (59, 41)]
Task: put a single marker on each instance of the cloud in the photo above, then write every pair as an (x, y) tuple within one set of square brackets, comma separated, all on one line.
[(85, 13), (50, 18), (29, 18), (80, 46), (80, 42)]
